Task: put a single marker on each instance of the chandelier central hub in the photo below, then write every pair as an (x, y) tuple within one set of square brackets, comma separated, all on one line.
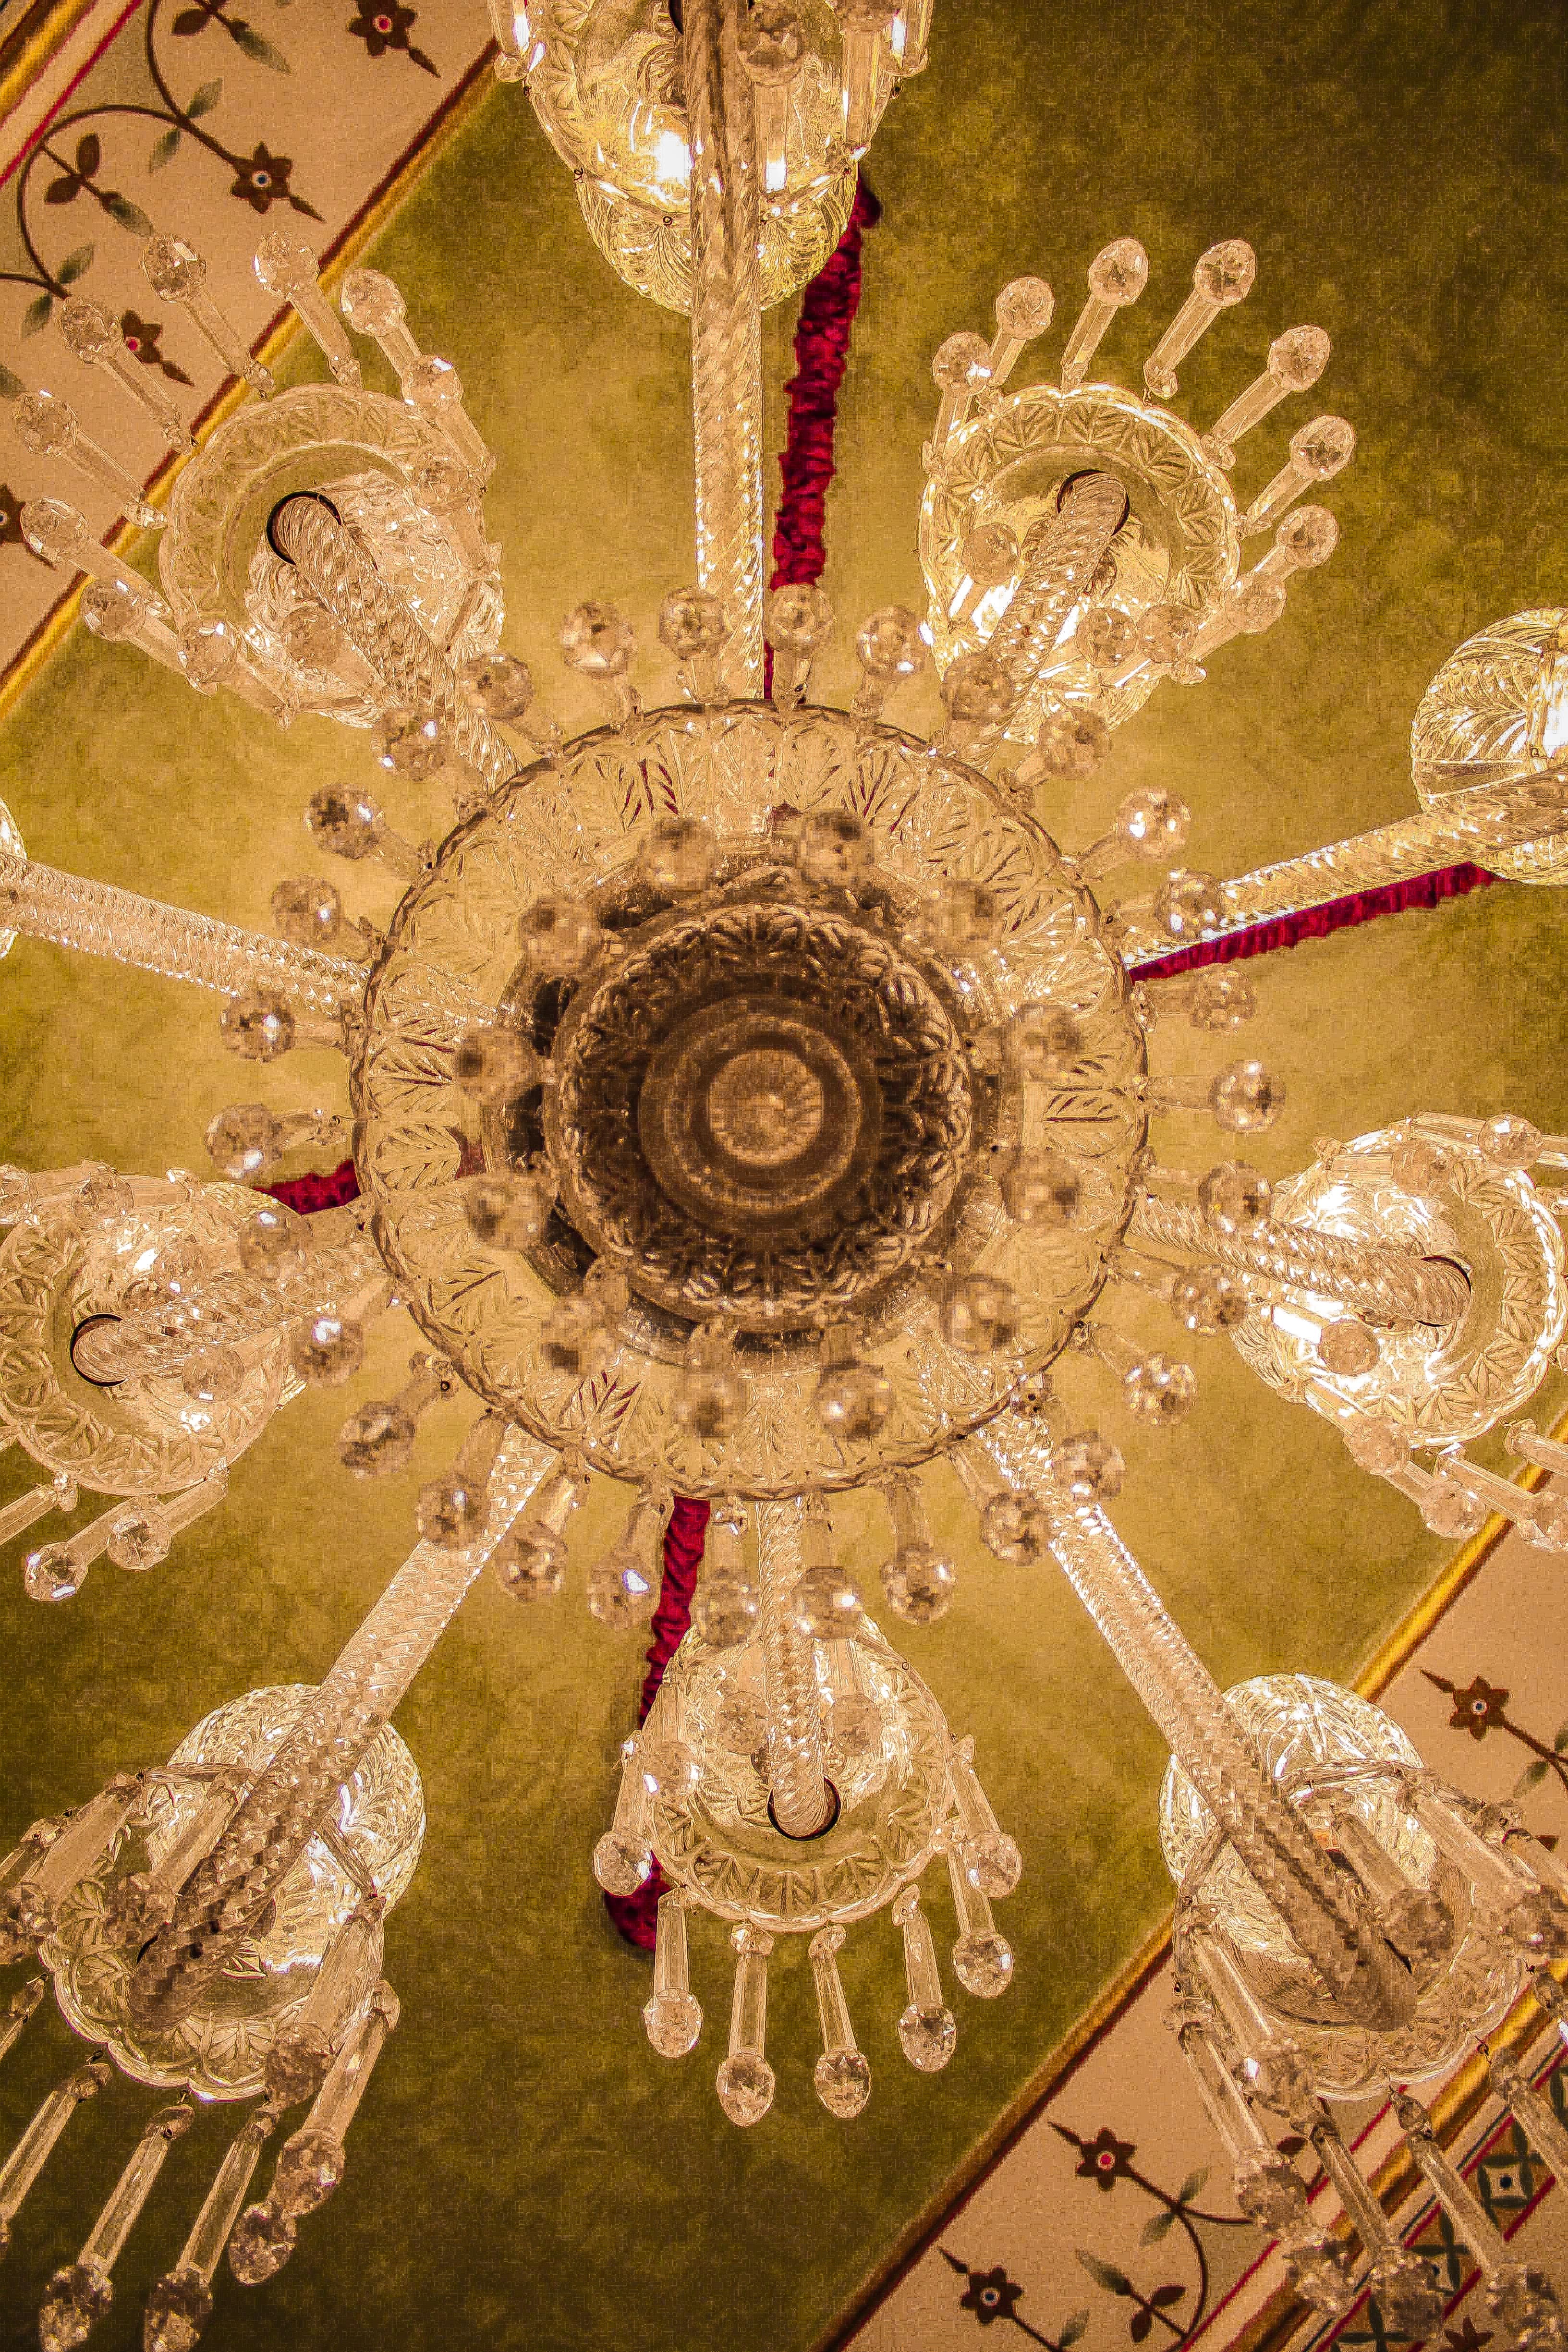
[(762, 1109)]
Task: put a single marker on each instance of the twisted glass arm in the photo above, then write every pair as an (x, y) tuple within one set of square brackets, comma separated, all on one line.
[(1059, 561), (299, 1789), (726, 331), (43, 903), (1463, 828), (338, 568), (789, 1678), (1377, 1280), (1268, 1836)]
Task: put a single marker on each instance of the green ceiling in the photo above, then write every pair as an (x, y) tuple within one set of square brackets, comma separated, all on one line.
[(525, 2170)]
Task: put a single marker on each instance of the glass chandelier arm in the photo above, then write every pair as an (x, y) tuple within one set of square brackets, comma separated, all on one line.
[(1463, 826), (1061, 559), (1377, 1280), (44, 903), (339, 570), (789, 1676), (726, 331), (299, 1786), (1268, 1836)]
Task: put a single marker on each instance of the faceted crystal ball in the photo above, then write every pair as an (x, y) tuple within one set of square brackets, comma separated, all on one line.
[(509, 1208), (310, 2166), (842, 2081), (1269, 2189), (620, 1864), (1159, 1392), (834, 849), (326, 1350), (620, 1590), (690, 621), (560, 936), (1017, 1528), (52, 1573), (1090, 1466), (260, 2244), (598, 641), (1023, 308), (740, 1723), (75, 2301), (1072, 743), (1233, 1196), (370, 302), (275, 1242), (920, 1583), (449, 1510), (176, 2313), (978, 691), (410, 745), (1041, 1190), (139, 1537), (928, 2037), (745, 2088), (1226, 272), (211, 1375), (307, 911), (826, 1604), (992, 1863), (376, 1440), (674, 2021), (724, 1612), (1298, 357), (963, 363), (500, 687), (1119, 273), (680, 857), (531, 1563), (494, 1064), (983, 1963), (344, 820)]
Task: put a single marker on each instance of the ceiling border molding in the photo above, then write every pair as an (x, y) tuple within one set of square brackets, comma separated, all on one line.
[(282, 335), (1460, 2100)]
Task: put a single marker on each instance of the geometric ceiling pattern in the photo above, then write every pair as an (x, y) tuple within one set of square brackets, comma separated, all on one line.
[(525, 2170)]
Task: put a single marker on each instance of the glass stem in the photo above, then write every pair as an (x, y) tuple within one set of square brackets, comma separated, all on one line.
[(381, 627), (796, 1781), (134, 2186), (1377, 1280), (32, 2151), (203, 2250), (1465, 826), (17, 2013), (43, 903), (1454, 2193), (299, 1788), (1061, 559), (1270, 1839), (726, 331), (1535, 2116)]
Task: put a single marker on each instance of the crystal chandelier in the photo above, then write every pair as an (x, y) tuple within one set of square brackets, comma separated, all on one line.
[(751, 1101)]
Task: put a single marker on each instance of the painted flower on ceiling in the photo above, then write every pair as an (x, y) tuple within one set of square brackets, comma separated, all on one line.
[(1105, 2159), (1467, 2337), (385, 28), (263, 182), (990, 2294), (141, 341), (1478, 1710)]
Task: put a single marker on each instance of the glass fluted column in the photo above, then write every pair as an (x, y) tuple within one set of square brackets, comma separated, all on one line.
[(43, 903), (1375, 1279), (291, 1797), (726, 331), (795, 1780), (380, 628), (1462, 828)]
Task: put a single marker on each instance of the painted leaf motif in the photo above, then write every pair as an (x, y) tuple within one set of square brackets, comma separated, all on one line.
[(1106, 2274), (1192, 2184), (10, 385), (1561, 1742), (89, 154), (61, 191), (74, 264), (1172, 2292), (189, 20), (128, 215), (1156, 2227), (1139, 2326), (1530, 1778), (205, 100), (255, 45), (1072, 2329), (165, 150), (36, 314)]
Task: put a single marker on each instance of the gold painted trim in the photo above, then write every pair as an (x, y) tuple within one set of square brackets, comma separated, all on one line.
[(1451, 2110), (457, 109), (27, 50)]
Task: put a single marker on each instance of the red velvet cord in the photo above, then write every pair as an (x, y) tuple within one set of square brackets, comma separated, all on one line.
[(821, 349), (306, 1194), (1317, 922), (636, 1916)]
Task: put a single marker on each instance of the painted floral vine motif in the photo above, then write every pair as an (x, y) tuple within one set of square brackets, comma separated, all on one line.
[(261, 179), (1483, 1708), (992, 2295), (1107, 2161)]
